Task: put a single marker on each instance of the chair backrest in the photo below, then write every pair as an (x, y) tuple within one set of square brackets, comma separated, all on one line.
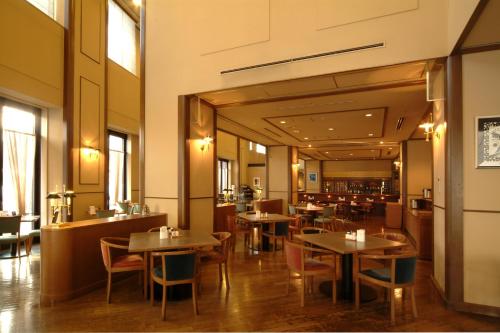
[(281, 228), (223, 237), (392, 236), (292, 210), (105, 213), (107, 243), (10, 224), (123, 207), (294, 256), (328, 211), (405, 269), (313, 230), (231, 223), (177, 265), (241, 207)]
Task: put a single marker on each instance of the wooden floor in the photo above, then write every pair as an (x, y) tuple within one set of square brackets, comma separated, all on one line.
[(255, 302)]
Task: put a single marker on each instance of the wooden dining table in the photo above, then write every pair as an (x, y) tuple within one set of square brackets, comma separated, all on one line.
[(336, 242), (266, 223)]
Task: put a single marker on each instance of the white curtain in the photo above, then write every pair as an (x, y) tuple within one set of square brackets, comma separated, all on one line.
[(116, 167), (18, 172)]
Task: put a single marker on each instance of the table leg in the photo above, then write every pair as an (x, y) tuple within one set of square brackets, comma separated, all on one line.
[(265, 240), (347, 276)]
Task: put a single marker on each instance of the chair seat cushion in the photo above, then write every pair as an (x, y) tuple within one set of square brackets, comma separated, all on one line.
[(323, 220), (315, 265), (34, 233), (5, 239), (382, 274), (129, 260)]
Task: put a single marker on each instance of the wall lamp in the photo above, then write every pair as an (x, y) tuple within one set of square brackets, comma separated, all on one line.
[(205, 143), (428, 128), (90, 152)]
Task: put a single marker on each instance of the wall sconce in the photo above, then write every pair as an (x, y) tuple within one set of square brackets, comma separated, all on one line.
[(428, 128), (205, 143), (296, 165), (91, 153), (397, 164)]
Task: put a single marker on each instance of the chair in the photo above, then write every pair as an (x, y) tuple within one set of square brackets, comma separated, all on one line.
[(400, 274), (218, 255), (306, 267), (313, 230), (121, 263), (237, 229), (105, 213), (280, 232), (177, 267), (36, 233), (294, 226), (326, 219), (124, 207), (11, 225), (394, 237), (135, 209), (155, 229), (241, 207)]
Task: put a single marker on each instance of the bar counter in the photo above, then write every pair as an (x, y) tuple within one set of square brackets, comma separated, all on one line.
[(71, 259)]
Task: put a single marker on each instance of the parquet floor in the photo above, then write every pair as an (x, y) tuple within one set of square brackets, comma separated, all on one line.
[(256, 301)]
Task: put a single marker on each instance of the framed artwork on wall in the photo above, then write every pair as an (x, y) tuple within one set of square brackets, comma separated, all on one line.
[(312, 177), (256, 181), (488, 142)]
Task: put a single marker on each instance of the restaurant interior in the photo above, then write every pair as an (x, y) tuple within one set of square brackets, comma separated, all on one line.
[(320, 166)]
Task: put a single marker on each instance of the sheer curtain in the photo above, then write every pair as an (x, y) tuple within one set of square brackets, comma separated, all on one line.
[(116, 167)]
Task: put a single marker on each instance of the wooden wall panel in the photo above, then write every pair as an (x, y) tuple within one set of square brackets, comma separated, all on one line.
[(90, 33)]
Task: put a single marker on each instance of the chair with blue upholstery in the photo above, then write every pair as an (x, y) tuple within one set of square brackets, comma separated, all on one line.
[(10, 232), (280, 231), (326, 219), (177, 267), (399, 274), (105, 213)]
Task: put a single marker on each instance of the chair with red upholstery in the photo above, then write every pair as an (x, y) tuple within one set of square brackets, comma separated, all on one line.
[(299, 263), (121, 263)]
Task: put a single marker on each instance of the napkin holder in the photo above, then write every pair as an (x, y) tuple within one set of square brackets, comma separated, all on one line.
[(360, 235), (164, 233)]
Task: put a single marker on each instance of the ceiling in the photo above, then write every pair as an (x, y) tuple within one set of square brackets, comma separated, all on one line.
[(486, 30), (344, 116)]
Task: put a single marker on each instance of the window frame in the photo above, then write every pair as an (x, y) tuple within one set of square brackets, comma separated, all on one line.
[(37, 112), (123, 136)]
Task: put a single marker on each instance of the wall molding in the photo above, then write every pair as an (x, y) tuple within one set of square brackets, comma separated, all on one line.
[(481, 211)]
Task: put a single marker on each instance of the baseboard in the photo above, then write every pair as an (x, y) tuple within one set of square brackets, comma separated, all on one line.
[(487, 310)]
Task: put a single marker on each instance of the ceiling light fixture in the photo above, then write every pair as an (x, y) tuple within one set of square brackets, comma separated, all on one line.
[(368, 115), (390, 148), (138, 2), (370, 134), (428, 128), (310, 146), (306, 138), (282, 122), (330, 129), (326, 152), (381, 142), (351, 154)]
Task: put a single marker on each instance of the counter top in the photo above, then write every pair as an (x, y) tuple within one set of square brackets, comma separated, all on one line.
[(96, 221)]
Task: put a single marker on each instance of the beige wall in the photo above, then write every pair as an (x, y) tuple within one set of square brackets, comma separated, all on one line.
[(377, 168), (313, 166), (32, 56), (227, 146), (419, 166), (279, 174), (459, 12), (198, 58), (481, 79)]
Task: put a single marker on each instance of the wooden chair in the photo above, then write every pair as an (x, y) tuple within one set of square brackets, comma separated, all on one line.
[(237, 229), (313, 230), (121, 263), (399, 274), (280, 231), (298, 263), (36, 233), (326, 219), (397, 238), (295, 226), (105, 213), (10, 233), (177, 267), (219, 255)]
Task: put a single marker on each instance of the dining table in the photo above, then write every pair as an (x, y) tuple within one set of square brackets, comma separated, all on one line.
[(347, 248), (146, 242), (265, 222)]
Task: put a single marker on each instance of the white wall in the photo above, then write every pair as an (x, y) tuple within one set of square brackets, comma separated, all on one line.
[(481, 82), (180, 58)]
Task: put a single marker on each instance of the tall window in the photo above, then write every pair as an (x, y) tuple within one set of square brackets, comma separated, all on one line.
[(46, 6), (20, 176), (121, 37), (117, 153), (224, 172), (260, 149)]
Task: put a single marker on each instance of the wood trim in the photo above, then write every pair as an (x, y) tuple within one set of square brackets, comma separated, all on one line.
[(454, 273), (183, 163), (166, 198), (267, 172), (404, 179), (290, 175), (487, 310), (199, 198), (215, 168), (438, 288), (469, 26), (106, 138), (481, 48), (98, 61), (238, 163), (481, 211), (142, 128), (437, 206)]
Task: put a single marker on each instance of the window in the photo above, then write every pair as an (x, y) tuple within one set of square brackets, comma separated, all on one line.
[(121, 38), (260, 149), (46, 6), (20, 162), (224, 172), (117, 154)]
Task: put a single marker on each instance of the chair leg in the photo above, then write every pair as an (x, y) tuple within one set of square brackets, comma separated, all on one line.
[(413, 304), (356, 292), (26, 245), (288, 284), (283, 246), (303, 291), (334, 287), (393, 307), (220, 275), (108, 289), (226, 276), (151, 291), (164, 303), (145, 283), (195, 297)]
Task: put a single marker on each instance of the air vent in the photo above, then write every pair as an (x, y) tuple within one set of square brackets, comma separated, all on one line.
[(400, 122), (309, 57)]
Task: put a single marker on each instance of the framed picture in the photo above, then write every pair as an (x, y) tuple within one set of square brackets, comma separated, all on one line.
[(312, 177), (488, 142), (256, 181)]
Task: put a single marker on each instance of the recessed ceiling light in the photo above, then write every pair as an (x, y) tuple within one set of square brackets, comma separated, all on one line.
[(390, 148), (282, 122), (296, 131), (330, 129), (306, 138), (372, 150), (370, 134), (368, 115), (326, 152), (381, 142), (310, 146), (351, 154)]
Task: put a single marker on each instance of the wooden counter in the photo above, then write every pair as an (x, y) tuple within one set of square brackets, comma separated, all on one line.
[(71, 259), (419, 228)]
